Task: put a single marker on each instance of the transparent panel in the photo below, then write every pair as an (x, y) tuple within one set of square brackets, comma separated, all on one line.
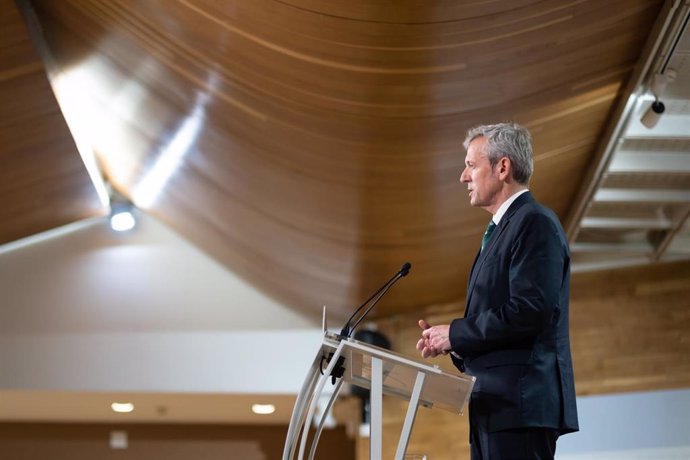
[(441, 389)]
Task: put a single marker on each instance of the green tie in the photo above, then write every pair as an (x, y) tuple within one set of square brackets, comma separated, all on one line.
[(487, 234)]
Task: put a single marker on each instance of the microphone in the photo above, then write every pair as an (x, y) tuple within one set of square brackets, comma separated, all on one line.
[(347, 330)]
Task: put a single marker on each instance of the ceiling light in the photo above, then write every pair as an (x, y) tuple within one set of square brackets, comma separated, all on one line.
[(122, 408), (651, 116), (657, 87), (263, 409), (122, 221)]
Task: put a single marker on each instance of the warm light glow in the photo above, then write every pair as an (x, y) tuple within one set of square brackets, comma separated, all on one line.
[(172, 154), (122, 407), (101, 105), (263, 409), (122, 221), (74, 90), (169, 160)]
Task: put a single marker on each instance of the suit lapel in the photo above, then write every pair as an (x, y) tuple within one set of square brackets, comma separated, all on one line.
[(482, 255), (470, 282)]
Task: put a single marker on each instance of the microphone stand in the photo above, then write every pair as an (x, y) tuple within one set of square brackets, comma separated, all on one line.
[(347, 330)]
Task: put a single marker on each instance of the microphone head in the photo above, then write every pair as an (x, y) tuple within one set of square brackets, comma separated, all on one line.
[(405, 269)]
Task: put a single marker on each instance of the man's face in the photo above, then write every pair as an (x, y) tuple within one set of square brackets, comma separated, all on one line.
[(483, 182)]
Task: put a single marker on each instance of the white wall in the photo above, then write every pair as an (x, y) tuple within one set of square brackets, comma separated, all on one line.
[(86, 278), (273, 362), (85, 309), (633, 426)]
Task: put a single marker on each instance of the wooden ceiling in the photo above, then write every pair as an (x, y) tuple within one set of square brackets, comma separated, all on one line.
[(43, 183), (310, 146)]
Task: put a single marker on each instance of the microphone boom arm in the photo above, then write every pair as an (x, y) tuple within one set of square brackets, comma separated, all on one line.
[(347, 330)]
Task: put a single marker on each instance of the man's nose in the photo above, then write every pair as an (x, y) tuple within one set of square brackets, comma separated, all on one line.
[(463, 176)]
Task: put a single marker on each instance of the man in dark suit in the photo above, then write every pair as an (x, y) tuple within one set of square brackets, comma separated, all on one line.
[(514, 336)]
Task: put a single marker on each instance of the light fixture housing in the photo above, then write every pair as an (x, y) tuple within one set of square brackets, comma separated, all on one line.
[(651, 116), (657, 87)]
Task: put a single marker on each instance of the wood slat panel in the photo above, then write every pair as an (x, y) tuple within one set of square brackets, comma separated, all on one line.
[(630, 329), (84, 441), (326, 143), (43, 182)]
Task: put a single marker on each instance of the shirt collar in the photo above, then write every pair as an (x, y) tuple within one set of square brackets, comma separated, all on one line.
[(506, 204)]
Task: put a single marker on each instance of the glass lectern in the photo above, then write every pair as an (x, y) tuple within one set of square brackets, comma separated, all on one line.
[(382, 372)]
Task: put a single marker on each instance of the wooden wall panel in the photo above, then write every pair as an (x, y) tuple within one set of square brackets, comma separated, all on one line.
[(39, 441), (631, 329)]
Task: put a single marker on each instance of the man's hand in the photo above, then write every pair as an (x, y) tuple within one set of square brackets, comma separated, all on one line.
[(434, 340)]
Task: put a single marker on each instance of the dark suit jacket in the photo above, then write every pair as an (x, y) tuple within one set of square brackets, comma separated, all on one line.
[(514, 337)]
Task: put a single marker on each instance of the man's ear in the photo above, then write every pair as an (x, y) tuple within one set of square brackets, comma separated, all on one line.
[(504, 168)]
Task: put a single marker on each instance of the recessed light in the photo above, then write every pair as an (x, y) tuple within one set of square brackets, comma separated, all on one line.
[(122, 407), (263, 409), (122, 221)]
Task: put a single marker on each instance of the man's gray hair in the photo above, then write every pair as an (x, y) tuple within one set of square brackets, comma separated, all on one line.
[(506, 140)]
